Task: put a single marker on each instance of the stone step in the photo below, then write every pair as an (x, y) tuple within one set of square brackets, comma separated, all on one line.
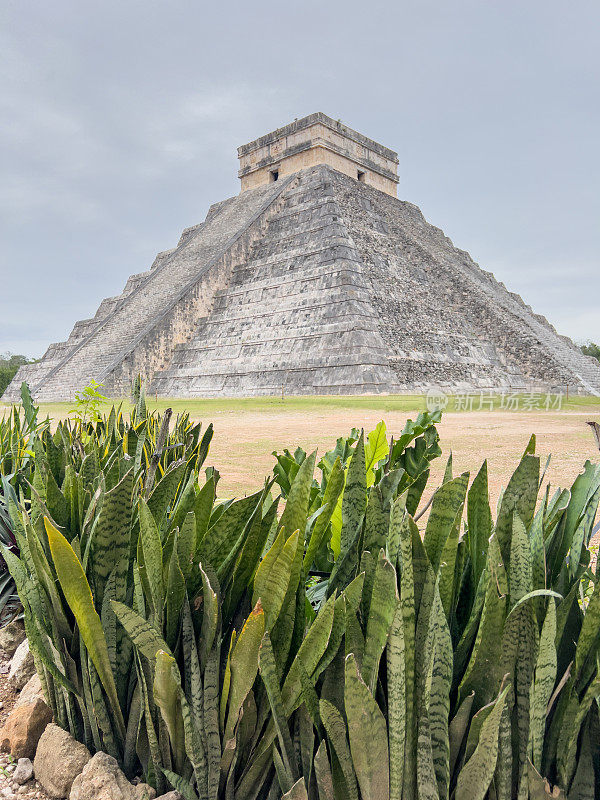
[(150, 297)]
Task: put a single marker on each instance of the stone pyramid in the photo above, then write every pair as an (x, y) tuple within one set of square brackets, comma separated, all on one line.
[(315, 279)]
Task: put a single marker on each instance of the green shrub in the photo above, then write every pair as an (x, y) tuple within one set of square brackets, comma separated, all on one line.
[(348, 647), (9, 364), (88, 402), (591, 349)]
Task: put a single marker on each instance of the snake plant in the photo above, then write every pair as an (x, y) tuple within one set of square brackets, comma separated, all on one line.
[(332, 637)]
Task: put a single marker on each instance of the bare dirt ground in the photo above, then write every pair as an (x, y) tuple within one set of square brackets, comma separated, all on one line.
[(244, 440)]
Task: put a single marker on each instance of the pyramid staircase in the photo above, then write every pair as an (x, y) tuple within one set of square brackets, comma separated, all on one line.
[(140, 327)]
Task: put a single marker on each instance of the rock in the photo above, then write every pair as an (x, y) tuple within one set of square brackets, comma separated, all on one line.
[(170, 796), (7, 792), (59, 759), (23, 772), (145, 792), (31, 691), (21, 666), (23, 728), (11, 636), (102, 779)]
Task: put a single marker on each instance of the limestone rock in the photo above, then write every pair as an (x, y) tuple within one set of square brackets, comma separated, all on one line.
[(59, 759), (145, 792), (102, 779), (11, 637), (170, 796), (31, 691), (23, 772), (24, 727), (22, 666)]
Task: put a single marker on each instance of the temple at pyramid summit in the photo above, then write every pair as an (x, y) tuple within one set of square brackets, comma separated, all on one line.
[(315, 279)]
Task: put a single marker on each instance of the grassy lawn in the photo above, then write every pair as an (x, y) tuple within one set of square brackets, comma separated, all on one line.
[(203, 407)]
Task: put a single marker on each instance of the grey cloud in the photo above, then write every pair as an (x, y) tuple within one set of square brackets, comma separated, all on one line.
[(120, 122)]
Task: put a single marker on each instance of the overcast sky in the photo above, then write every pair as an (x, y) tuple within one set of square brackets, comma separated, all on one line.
[(119, 123)]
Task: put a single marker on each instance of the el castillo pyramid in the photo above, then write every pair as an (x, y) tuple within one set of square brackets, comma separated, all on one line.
[(315, 279)]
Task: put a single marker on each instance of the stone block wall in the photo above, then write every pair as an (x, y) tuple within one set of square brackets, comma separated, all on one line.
[(318, 139)]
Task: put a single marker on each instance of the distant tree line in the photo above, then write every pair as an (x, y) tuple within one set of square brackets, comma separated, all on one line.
[(591, 349), (9, 364)]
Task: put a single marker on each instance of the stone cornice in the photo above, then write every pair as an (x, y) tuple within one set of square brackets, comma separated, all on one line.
[(311, 144), (308, 122)]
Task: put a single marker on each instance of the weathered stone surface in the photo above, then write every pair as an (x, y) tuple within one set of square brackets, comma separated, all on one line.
[(59, 759), (31, 691), (317, 139), (99, 346), (102, 779), (144, 791), (11, 637), (170, 796), (349, 292), (24, 727), (23, 772), (22, 666), (317, 284)]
